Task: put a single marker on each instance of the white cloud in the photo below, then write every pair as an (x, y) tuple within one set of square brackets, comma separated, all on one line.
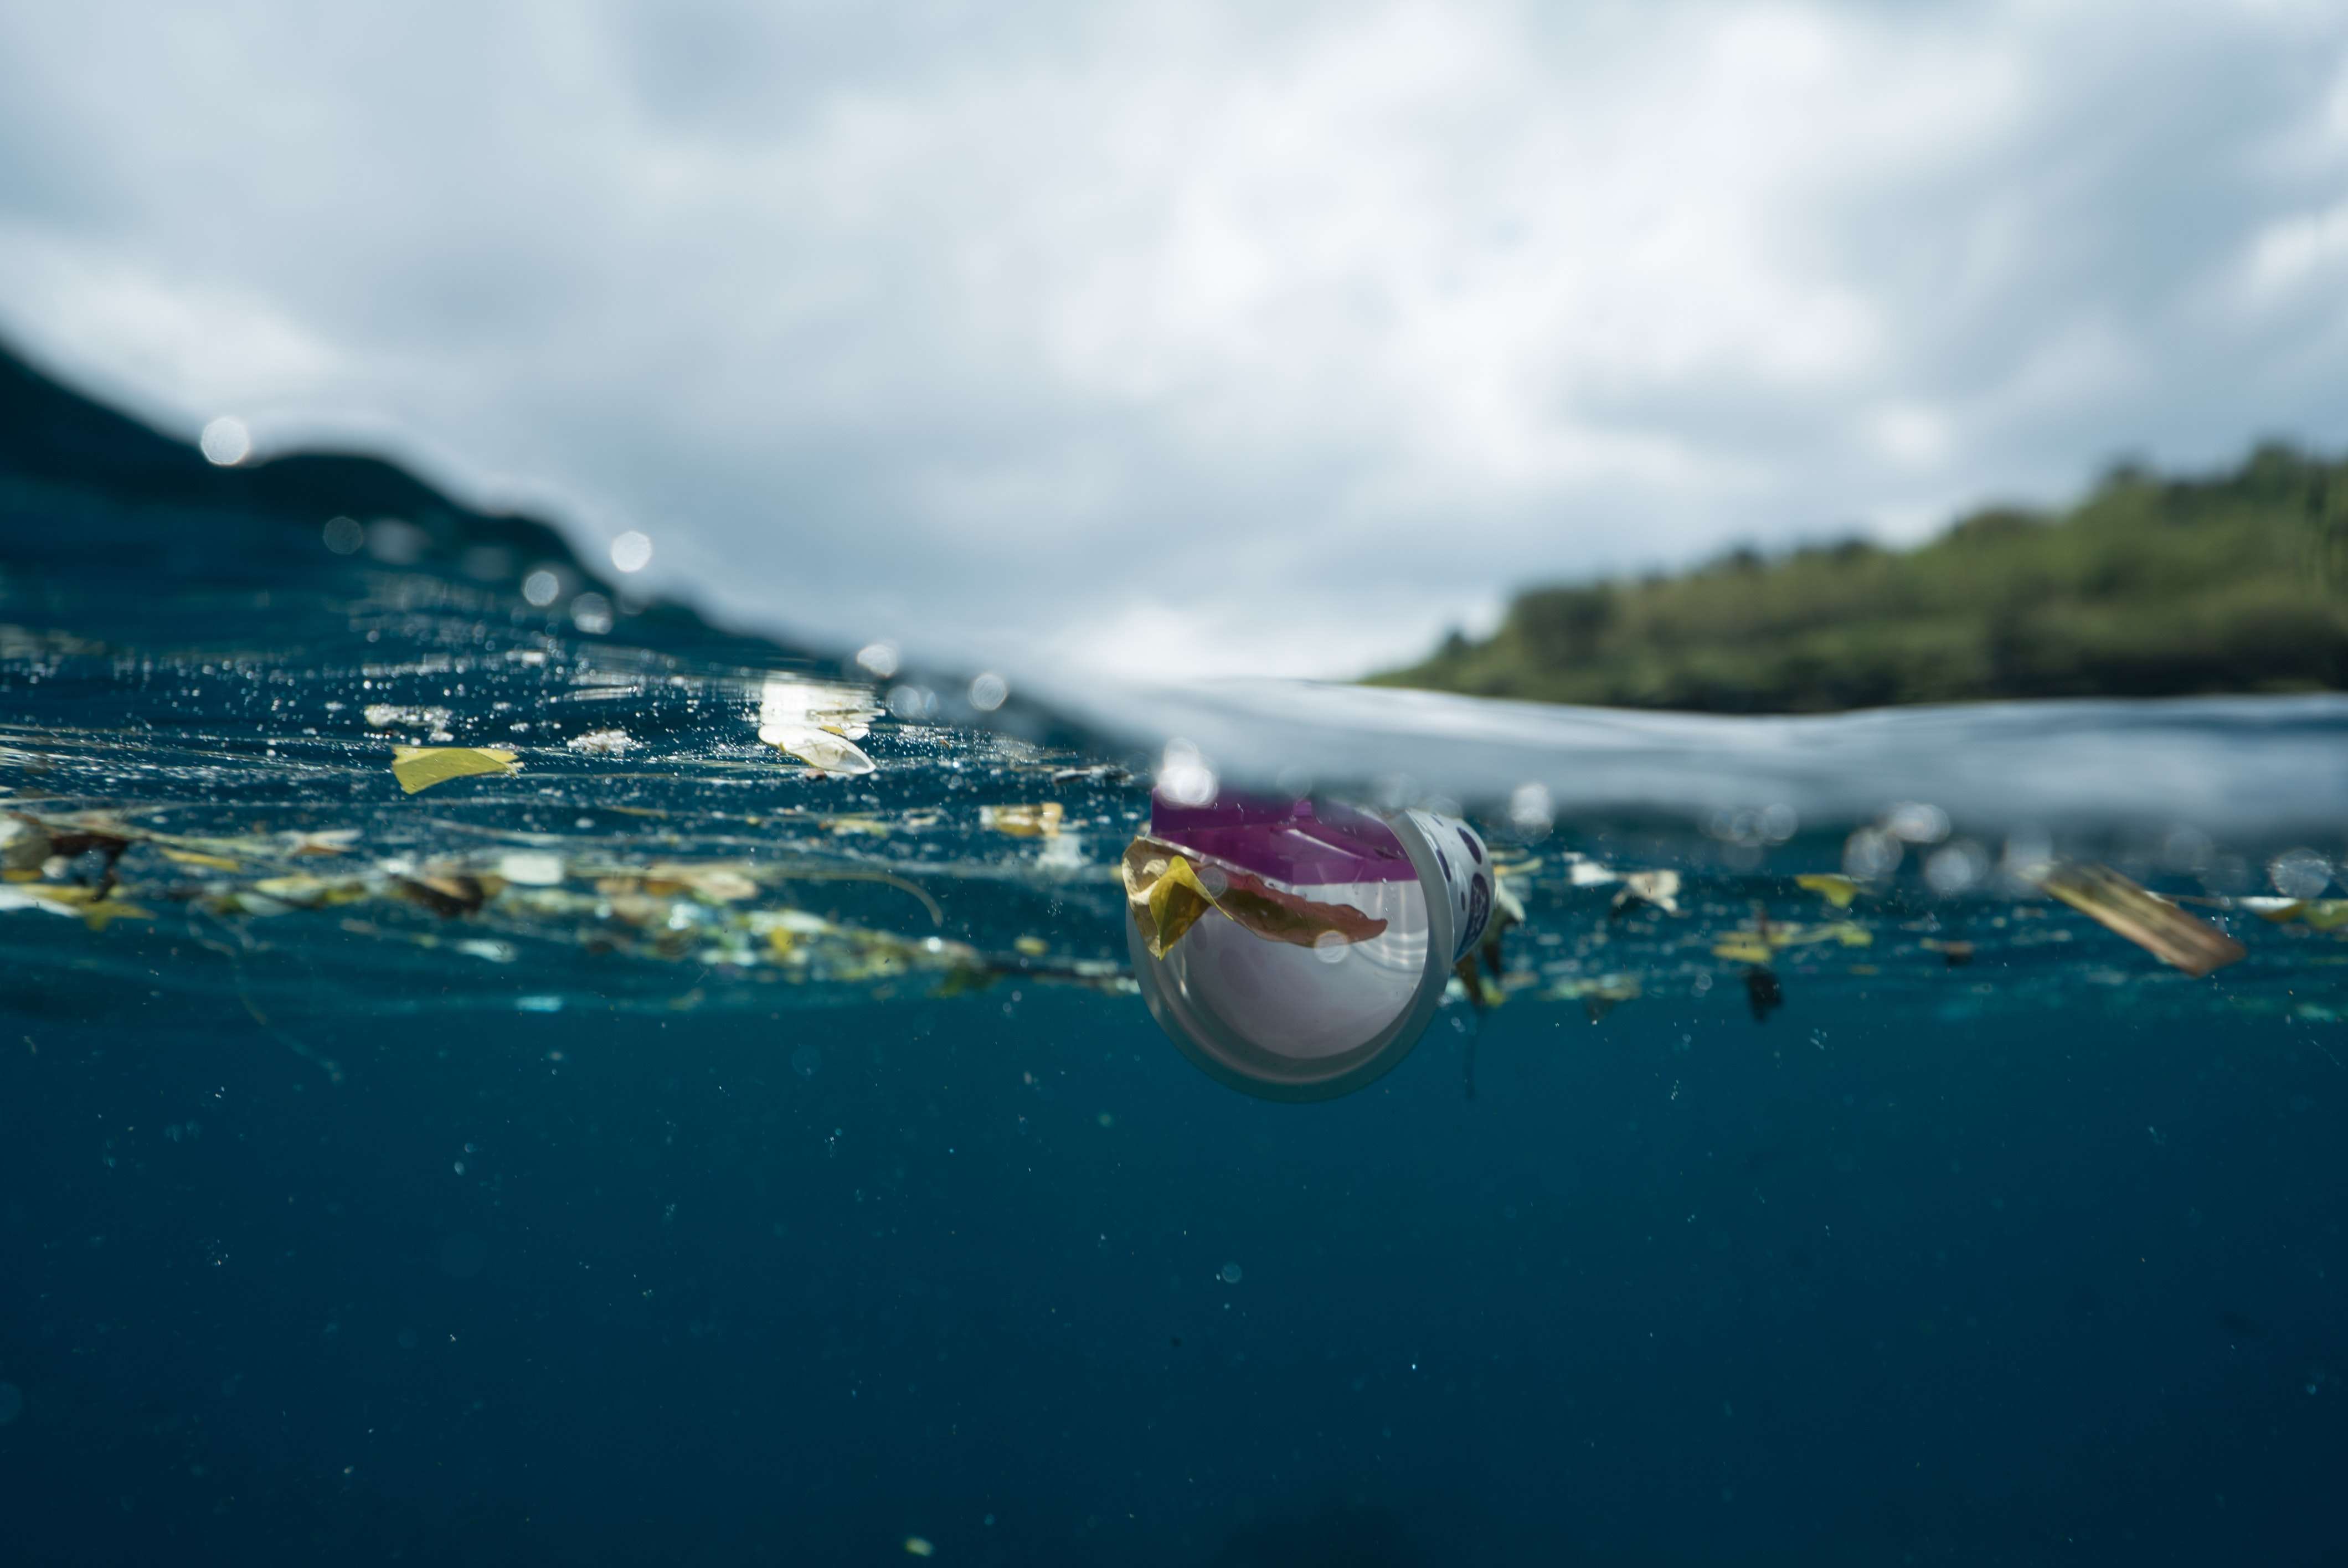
[(1193, 336)]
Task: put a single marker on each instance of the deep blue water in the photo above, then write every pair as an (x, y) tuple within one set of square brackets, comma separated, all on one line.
[(375, 1198)]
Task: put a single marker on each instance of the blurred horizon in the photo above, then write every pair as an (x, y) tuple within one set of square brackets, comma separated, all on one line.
[(1181, 344)]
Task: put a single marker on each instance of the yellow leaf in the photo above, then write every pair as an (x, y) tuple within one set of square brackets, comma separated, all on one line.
[(1745, 948), (1022, 821), (1838, 891), (97, 912), (421, 768), (1033, 946)]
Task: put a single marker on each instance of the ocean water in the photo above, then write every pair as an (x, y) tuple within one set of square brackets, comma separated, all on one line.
[(656, 1148)]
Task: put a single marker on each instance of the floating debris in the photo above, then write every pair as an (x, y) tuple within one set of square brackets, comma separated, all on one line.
[(1755, 944), (1169, 893), (604, 744), (199, 858), (327, 841), (1836, 890), (421, 768), (1955, 954), (2320, 914), (2177, 938), (532, 868), (1022, 821), (820, 749), (1655, 889), (24, 845), (819, 722), (1763, 993), (96, 906), (1600, 995), (434, 721)]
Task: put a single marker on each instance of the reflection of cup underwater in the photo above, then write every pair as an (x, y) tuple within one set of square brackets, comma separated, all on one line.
[(1310, 1012)]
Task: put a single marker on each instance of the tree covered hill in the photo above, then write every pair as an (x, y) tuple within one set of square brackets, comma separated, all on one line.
[(2148, 587)]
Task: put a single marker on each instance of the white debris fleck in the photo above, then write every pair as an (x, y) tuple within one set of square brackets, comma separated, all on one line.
[(604, 744), (532, 868)]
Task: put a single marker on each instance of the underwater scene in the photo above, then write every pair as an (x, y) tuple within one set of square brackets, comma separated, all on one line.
[(498, 1071)]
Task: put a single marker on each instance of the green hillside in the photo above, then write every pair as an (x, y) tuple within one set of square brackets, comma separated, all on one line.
[(2148, 587)]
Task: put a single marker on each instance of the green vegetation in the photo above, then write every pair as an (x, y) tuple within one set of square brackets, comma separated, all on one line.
[(2148, 587)]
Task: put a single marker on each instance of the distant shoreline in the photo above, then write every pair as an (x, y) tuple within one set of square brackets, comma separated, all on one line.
[(2235, 583)]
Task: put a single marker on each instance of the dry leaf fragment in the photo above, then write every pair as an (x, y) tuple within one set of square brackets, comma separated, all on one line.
[(1168, 895), (1022, 821), (421, 768), (446, 894), (2158, 927)]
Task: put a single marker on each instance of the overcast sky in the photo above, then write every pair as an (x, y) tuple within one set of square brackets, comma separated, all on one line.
[(1181, 338)]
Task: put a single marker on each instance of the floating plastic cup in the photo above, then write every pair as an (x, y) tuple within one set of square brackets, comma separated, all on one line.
[(1297, 951)]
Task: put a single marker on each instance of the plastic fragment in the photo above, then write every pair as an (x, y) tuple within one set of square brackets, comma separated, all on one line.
[(820, 749), (421, 768), (2177, 938), (1658, 889)]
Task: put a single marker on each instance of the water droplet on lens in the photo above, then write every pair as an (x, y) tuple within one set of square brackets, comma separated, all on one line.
[(1230, 1274), (806, 1060)]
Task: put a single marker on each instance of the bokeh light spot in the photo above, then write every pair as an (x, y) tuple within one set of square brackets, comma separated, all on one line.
[(226, 441), (632, 551)]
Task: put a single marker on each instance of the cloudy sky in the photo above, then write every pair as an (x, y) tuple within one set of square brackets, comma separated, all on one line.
[(1183, 338)]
